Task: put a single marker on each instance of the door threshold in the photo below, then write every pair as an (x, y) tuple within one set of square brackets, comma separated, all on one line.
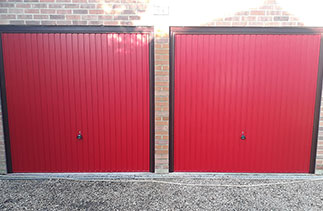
[(149, 175)]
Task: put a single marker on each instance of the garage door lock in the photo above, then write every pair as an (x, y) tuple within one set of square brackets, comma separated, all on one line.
[(243, 137), (79, 136)]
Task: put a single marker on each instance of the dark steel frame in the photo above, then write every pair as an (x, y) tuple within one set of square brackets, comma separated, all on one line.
[(80, 29), (243, 30)]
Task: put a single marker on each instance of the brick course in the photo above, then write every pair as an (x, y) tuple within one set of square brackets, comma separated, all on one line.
[(135, 12)]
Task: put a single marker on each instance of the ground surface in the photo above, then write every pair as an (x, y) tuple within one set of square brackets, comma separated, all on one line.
[(225, 192)]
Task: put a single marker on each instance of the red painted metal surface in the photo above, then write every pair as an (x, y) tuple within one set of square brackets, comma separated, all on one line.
[(60, 84), (262, 85)]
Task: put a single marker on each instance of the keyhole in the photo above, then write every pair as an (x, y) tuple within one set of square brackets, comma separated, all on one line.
[(79, 136), (243, 137)]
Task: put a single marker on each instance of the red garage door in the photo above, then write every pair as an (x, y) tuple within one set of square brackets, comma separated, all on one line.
[(78, 102), (244, 102)]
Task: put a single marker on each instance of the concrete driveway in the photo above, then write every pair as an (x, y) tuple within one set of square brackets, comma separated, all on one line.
[(161, 192)]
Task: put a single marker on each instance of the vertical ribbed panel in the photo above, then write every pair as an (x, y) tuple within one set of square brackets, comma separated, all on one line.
[(59, 84), (263, 85)]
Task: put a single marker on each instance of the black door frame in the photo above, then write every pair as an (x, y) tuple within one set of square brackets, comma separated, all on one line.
[(174, 30), (80, 29)]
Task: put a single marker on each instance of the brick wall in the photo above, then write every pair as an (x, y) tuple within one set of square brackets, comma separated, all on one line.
[(143, 12)]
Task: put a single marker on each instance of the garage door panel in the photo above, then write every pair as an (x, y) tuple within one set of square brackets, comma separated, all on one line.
[(60, 84), (263, 85)]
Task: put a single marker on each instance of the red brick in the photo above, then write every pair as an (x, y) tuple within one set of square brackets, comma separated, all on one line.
[(110, 23), (161, 51), (96, 11), (161, 161), (131, 12), (273, 12), (32, 22), (63, 22), (79, 22), (7, 5), (165, 67), (289, 23), (165, 45), (161, 156), (232, 19), (161, 104), (73, 17), (58, 6), (57, 17), (161, 151), (31, 10), (39, 6), (105, 17), (80, 11), (72, 6), (41, 16), (163, 57), (64, 11), (125, 23), (15, 11), (264, 18), (161, 83), (161, 147), (24, 16), (8, 16), (240, 23), (281, 18), (47, 22), (88, 6), (161, 98), (257, 12), (17, 22), (157, 62), (118, 17), (134, 17), (248, 18), (89, 17), (47, 11)]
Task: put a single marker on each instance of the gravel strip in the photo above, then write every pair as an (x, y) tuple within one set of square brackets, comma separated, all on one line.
[(60, 194)]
